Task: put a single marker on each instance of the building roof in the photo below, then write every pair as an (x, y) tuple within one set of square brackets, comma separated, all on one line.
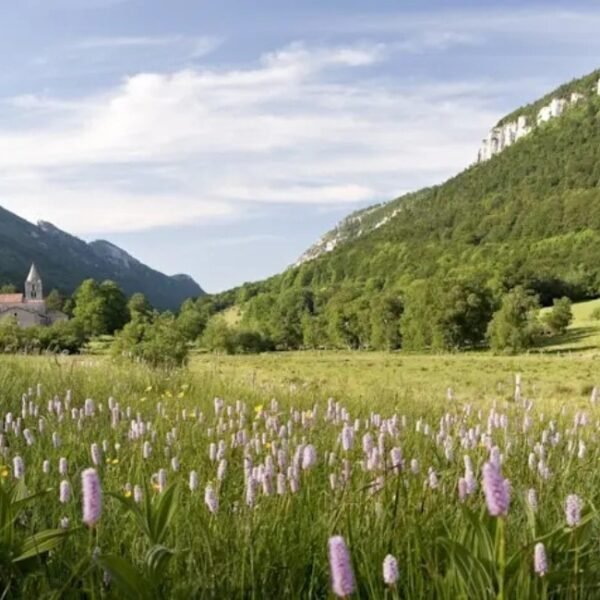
[(11, 298), (33, 274)]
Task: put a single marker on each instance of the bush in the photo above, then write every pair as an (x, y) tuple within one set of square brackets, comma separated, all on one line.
[(595, 315), (156, 341), (63, 336), (221, 337), (559, 317), (515, 326)]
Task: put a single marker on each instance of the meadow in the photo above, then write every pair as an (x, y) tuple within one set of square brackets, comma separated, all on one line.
[(229, 478)]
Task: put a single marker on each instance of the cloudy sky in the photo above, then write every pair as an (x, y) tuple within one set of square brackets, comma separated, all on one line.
[(222, 138)]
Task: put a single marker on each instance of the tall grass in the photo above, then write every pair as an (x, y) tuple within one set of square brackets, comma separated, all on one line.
[(171, 545)]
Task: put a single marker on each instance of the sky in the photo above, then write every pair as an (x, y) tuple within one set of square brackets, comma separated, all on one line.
[(221, 139)]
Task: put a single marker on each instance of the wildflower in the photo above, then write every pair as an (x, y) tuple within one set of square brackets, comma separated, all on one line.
[(309, 457), (162, 480), (64, 523), (29, 439), (18, 467), (342, 577), (347, 437), (65, 492), (63, 466), (96, 454), (396, 459), (432, 479), (4, 472), (251, 491), (211, 499), (193, 481), (92, 497), (573, 507), (333, 481), (222, 469), (146, 450), (390, 570), (532, 500), (463, 490), (137, 494), (540, 561), (497, 493)]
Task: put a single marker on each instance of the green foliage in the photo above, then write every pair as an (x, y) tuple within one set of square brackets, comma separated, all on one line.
[(529, 217), (155, 341), (559, 317), (19, 552), (55, 301), (138, 307), (100, 308), (515, 327), (191, 321), (218, 336), (62, 336), (221, 337), (595, 315)]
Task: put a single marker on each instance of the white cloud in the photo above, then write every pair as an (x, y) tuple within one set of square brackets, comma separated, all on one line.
[(196, 46), (166, 149)]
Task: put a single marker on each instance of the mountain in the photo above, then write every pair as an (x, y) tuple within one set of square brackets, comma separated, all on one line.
[(65, 261), (526, 212)]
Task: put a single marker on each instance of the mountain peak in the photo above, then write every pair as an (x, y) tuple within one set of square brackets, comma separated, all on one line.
[(67, 260)]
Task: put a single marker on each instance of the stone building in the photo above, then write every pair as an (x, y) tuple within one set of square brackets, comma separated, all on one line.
[(30, 308)]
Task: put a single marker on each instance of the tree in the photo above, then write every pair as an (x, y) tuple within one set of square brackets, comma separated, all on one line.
[(446, 315), (8, 288), (155, 341), (218, 336), (515, 327), (100, 308), (559, 317), (191, 321), (386, 312), (138, 307), (55, 300), (116, 313)]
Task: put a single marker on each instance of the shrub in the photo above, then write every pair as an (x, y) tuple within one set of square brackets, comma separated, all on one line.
[(156, 341), (559, 317), (515, 327)]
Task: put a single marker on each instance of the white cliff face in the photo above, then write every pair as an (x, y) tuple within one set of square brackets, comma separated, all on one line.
[(350, 228), (500, 138)]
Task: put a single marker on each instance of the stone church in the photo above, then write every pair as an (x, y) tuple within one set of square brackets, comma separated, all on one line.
[(29, 309)]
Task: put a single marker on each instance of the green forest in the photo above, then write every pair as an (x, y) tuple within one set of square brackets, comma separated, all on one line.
[(435, 274)]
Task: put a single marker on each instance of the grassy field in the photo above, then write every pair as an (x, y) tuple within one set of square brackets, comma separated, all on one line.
[(237, 498)]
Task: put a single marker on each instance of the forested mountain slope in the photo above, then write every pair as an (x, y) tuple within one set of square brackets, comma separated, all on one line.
[(529, 216)]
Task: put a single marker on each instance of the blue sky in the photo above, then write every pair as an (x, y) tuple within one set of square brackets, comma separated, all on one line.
[(222, 138)]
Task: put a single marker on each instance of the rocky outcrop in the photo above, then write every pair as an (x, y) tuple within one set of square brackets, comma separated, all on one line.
[(501, 137)]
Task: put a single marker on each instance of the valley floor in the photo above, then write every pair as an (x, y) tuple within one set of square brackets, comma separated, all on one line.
[(388, 379)]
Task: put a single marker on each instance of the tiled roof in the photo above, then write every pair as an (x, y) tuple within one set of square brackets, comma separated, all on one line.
[(11, 298)]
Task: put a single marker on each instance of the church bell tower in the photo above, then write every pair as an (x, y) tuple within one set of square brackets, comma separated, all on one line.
[(33, 286)]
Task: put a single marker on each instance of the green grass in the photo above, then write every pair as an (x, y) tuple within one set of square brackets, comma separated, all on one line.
[(584, 333), (278, 547)]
